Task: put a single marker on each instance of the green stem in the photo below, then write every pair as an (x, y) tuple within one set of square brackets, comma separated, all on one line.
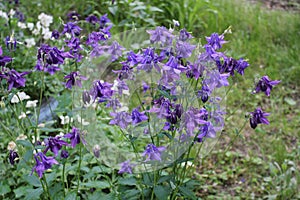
[(46, 184), (63, 178), (78, 169)]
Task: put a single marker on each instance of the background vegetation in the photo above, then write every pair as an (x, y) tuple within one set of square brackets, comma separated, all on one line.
[(261, 163)]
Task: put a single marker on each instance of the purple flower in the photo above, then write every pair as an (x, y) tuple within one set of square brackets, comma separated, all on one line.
[(103, 21), (137, 116), (43, 163), (11, 43), (265, 85), (153, 153), (126, 167), (64, 154), (192, 119), (148, 60), (161, 35), (74, 44), (55, 34), (216, 80), (113, 103), (54, 144), (73, 16), (132, 58), (184, 35), (258, 117), (125, 73), (13, 157), (14, 79), (75, 137), (161, 107), (101, 90), (74, 78), (121, 85), (204, 93), (241, 66), (207, 130), (72, 28), (92, 19), (122, 119), (4, 59), (184, 49), (215, 41), (115, 50), (145, 87)]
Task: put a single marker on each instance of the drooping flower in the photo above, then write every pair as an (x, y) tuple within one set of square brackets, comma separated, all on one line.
[(137, 116), (153, 153), (149, 59), (184, 49), (103, 21), (75, 137), (125, 73), (43, 163), (64, 154), (11, 43), (115, 50), (55, 34), (74, 78), (215, 41), (92, 19), (13, 157), (14, 79), (126, 167), (4, 59), (265, 85), (20, 96), (184, 35), (206, 131), (101, 91), (161, 35), (122, 119), (73, 16), (258, 117), (72, 28), (216, 80), (161, 107), (54, 144), (192, 119), (204, 93)]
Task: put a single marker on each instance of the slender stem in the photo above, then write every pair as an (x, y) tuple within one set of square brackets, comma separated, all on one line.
[(39, 108), (78, 169), (46, 184), (63, 178)]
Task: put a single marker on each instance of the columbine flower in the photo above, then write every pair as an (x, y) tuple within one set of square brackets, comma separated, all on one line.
[(184, 49), (126, 167), (4, 59), (30, 42), (215, 41), (22, 116), (137, 116), (204, 93), (149, 59), (160, 35), (65, 120), (216, 80), (115, 50), (258, 117), (192, 119), (64, 154), (13, 157), (122, 119), (101, 90), (43, 163), (55, 34), (92, 19), (20, 96), (103, 21), (75, 137), (14, 79), (45, 20), (184, 35), (72, 28), (30, 104), (265, 85), (153, 153), (74, 78), (207, 130), (73, 16), (11, 43), (54, 144)]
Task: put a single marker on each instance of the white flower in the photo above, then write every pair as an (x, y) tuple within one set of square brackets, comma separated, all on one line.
[(30, 26), (82, 121), (22, 116), (37, 30), (176, 23), (46, 33), (29, 42), (21, 25), (11, 13), (30, 104), (45, 20), (21, 137), (3, 15), (11, 146), (65, 119), (20, 96)]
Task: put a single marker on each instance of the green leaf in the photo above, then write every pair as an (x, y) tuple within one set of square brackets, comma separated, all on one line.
[(21, 191), (24, 143), (161, 192), (32, 180), (155, 9), (33, 194), (97, 184), (187, 193), (4, 189), (290, 101), (71, 196), (165, 178), (131, 194), (127, 181)]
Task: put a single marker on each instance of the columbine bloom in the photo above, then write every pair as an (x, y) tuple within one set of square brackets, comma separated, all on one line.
[(64, 154), (101, 91), (103, 21), (4, 59), (71, 28), (55, 34), (75, 137), (207, 130), (137, 116), (14, 79), (122, 119), (92, 19), (258, 117), (148, 60), (43, 163), (184, 49), (115, 50), (74, 78), (11, 43), (30, 104), (73, 16), (161, 35), (126, 167), (20, 96), (265, 85), (54, 144), (192, 119), (215, 41), (216, 80), (153, 153), (204, 93), (184, 35), (13, 157)]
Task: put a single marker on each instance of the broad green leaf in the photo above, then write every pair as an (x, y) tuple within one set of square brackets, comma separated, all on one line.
[(32, 194), (4, 189), (161, 192), (32, 180), (187, 193), (97, 184), (127, 181)]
